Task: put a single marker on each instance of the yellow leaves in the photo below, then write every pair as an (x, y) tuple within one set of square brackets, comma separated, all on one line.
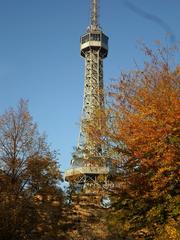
[(177, 72), (144, 122), (165, 170), (38, 198), (55, 203), (153, 212), (26, 116), (171, 232), (150, 115), (147, 112), (126, 226), (49, 199)]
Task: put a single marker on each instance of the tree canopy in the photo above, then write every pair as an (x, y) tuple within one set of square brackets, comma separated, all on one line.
[(31, 200), (141, 135), (136, 135)]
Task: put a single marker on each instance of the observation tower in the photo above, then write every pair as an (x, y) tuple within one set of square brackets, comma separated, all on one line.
[(94, 49)]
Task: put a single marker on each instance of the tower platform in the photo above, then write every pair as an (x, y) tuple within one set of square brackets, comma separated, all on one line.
[(75, 172)]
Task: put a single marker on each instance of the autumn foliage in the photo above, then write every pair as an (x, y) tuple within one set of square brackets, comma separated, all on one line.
[(141, 135), (31, 202), (136, 135)]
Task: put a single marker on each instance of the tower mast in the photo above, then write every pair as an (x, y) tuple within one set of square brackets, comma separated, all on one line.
[(94, 14), (93, 48)]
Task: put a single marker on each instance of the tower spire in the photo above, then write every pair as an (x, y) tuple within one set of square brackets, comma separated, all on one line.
[(94, 14)]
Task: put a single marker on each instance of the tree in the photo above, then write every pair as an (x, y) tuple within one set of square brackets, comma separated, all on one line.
[(142, 138), (31, 201)]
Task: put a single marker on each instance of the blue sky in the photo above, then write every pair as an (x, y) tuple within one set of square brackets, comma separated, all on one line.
[(40, 59)]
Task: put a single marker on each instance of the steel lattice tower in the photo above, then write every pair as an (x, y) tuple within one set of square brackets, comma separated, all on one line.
[(94, 48)]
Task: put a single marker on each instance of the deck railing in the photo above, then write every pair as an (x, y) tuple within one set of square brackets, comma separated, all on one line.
[(86, 170)]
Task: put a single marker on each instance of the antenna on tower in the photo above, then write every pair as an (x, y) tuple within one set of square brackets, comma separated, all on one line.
[(95, 14)]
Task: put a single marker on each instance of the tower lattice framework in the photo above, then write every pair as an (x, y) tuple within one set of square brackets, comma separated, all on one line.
[(93, 48)]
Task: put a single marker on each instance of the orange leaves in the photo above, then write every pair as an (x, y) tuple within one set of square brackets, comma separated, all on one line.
[(150, 115), (140, 132), (143, 130)]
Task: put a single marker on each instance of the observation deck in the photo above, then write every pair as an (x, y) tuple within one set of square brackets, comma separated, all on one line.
[(75, 172), (94, 40)]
